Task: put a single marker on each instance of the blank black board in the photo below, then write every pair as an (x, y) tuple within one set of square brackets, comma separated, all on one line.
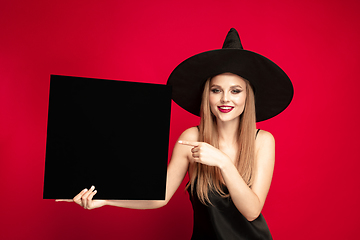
[(110, 134)]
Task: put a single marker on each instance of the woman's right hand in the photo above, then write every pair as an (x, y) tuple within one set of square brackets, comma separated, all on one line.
[(85, 199)]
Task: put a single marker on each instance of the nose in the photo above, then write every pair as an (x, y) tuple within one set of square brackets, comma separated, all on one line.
[(224, 97)]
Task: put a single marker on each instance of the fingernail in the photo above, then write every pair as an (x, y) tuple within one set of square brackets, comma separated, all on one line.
[(92, 187), (180, 141)]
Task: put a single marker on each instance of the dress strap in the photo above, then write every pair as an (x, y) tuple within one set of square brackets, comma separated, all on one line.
[(257, 133)]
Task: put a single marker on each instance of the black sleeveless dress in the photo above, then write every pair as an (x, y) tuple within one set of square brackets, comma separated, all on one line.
[(223, 221)]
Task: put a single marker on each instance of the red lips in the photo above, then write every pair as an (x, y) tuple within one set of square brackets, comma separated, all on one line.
[(225, 109)]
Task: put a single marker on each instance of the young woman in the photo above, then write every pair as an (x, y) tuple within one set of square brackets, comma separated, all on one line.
[(230, 162)]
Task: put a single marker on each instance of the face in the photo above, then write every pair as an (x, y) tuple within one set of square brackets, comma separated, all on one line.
[(227, 96)]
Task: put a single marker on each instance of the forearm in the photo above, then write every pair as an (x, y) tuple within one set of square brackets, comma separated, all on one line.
[(245, 200), (136, 204)]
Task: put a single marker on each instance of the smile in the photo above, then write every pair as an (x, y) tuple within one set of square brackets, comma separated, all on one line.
[(225, 109)]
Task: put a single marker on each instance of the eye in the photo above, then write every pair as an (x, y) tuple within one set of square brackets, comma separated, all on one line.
[(215, 90), (236, 91)]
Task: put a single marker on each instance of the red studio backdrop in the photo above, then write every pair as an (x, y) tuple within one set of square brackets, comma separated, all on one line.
[(314, 193)]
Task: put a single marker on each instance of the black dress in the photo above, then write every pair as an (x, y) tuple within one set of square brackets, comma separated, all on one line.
[(223, 221)]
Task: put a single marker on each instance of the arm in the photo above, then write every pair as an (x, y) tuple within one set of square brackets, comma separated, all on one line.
[(176, 171), (249, 201)]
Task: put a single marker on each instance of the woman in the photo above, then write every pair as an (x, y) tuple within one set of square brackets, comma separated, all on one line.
[(230, 162)]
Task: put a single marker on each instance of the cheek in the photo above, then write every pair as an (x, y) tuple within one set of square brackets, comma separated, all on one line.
[(213, 100), (240, 102), (240, 99)]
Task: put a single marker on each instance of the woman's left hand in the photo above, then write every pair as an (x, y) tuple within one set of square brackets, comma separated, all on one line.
[(206, 154), (85, 199)]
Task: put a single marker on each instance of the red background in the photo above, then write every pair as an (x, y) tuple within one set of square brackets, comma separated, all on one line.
[(314, 194)]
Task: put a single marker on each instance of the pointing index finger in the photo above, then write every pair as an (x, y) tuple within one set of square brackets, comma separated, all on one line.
[(189, 143)]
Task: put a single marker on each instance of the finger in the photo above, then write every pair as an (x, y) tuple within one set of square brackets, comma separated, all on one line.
[(64, 200), (196, 155), (85, 196), (195, 149), (89, 199), (78, 197), (87, 193), (189, 143)]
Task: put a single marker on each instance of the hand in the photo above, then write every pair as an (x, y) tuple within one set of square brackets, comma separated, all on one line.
[(84, 199), (206, 154)]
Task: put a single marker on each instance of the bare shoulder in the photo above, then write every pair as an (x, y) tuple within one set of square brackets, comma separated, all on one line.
[(264, 140), (265, 136), (190, 134)]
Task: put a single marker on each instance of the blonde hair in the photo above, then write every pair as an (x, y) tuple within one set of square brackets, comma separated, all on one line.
[(208, 178)]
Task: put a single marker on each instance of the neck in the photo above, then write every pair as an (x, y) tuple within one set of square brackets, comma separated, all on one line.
[(228, 131)]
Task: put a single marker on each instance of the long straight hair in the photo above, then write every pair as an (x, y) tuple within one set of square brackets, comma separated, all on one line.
[(208, 178)]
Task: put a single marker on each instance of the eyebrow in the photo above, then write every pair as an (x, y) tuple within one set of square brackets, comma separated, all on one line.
[(235, 86)]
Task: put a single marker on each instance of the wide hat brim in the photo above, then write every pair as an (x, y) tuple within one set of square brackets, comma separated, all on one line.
[(272, 87)]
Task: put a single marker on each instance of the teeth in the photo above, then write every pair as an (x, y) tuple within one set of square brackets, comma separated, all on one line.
[(226, 108)]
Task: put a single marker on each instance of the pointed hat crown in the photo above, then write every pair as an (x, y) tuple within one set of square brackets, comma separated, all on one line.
[(232, 40)]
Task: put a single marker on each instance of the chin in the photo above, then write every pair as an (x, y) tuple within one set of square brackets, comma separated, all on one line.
[(227, 118)]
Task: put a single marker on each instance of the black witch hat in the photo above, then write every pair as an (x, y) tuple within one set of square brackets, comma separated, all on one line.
[(272, 87)]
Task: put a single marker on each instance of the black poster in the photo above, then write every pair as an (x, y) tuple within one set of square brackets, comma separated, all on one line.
[(110, 134)]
